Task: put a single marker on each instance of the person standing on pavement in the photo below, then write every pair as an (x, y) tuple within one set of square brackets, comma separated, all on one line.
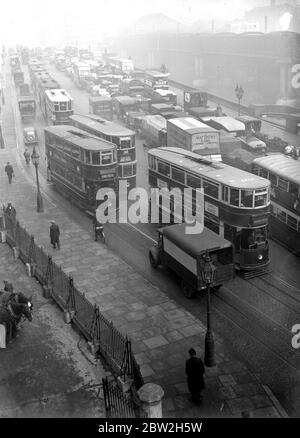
[(27, 156), (54, 235), (194, 369), (10, 210), (9, 171)]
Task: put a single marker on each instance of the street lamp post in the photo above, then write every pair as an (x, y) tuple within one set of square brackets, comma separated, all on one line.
[(39, 200), (208, 269), (239, 92)]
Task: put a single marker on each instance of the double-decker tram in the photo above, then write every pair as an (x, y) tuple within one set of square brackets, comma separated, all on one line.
[(283, 172), (56, 106), (80, 164), (236, 203), (122, 137)]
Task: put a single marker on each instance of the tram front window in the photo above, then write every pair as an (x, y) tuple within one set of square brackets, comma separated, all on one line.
[(252, 237), (246, 198)]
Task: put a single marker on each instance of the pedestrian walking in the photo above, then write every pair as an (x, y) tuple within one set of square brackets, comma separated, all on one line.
[(98, 228), (9, 171), (10, 210), (194, 369), (54, 235)]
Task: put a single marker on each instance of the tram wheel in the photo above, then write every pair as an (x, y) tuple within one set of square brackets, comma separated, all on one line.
[(188, 291)]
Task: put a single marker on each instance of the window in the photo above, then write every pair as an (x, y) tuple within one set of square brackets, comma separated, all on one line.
[(63, 106), (264, 173), (234, 197), (260, 200), (246, 198), (75, 152), (106, 158), (283, 184), (125, 143), (56, 106), (273, 179), (152, 162), (193, 181), (294, 188), (211, 189), (87, 157), (96, 157), (163, 168), (292, 222), (178, 175), (127, 170), (281, 216), (225, 193)]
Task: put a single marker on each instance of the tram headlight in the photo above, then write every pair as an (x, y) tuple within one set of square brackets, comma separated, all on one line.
[(260, 257)]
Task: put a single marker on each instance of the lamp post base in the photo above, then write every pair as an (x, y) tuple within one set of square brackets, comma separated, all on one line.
[(209, 355), (40, 206)]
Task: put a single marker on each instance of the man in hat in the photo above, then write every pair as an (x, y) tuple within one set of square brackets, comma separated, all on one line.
[(194, 369), (9, 171), (54, 235)]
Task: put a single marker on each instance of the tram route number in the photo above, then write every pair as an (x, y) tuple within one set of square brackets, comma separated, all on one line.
[(150, 427), (296, 337)]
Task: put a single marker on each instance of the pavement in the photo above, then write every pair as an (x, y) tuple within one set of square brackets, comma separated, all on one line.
[(161, 331), (46, 371)]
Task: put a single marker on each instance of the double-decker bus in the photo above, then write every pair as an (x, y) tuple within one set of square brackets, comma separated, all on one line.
[(80, 164), (122, 137), (56, 106), (236, 203), (283, 172)]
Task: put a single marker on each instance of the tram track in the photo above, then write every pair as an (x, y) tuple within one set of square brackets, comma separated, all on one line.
[(250, 322)]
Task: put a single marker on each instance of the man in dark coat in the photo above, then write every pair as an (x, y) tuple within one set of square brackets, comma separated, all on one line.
[(9, 171), (54, 235), (98, 227), (194, 370)]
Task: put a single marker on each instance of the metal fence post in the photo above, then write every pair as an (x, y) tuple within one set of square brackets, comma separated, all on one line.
[(31, 259), (69, 312), (47, 287), (94, 344)]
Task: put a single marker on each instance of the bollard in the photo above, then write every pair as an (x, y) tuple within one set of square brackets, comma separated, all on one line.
[(3, 236), (151, 396), (16, 252)]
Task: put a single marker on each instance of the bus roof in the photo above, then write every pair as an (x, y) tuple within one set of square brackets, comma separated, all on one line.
[(285, 167), (191, 125), (194, 244), (125, 100), (58, 95), (227, 123), (219, 172), (102, 125), (80, 138), (157, 74)]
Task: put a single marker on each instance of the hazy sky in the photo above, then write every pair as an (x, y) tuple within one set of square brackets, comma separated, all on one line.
[(36, 22)]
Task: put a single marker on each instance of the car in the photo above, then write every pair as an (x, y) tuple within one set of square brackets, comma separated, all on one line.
[(30, 136)]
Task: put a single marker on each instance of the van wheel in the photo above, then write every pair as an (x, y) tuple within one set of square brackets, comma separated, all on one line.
[(187, 290), (152, 261)]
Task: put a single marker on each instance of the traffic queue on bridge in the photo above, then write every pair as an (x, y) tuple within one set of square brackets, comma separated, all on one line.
[(194, 146)]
